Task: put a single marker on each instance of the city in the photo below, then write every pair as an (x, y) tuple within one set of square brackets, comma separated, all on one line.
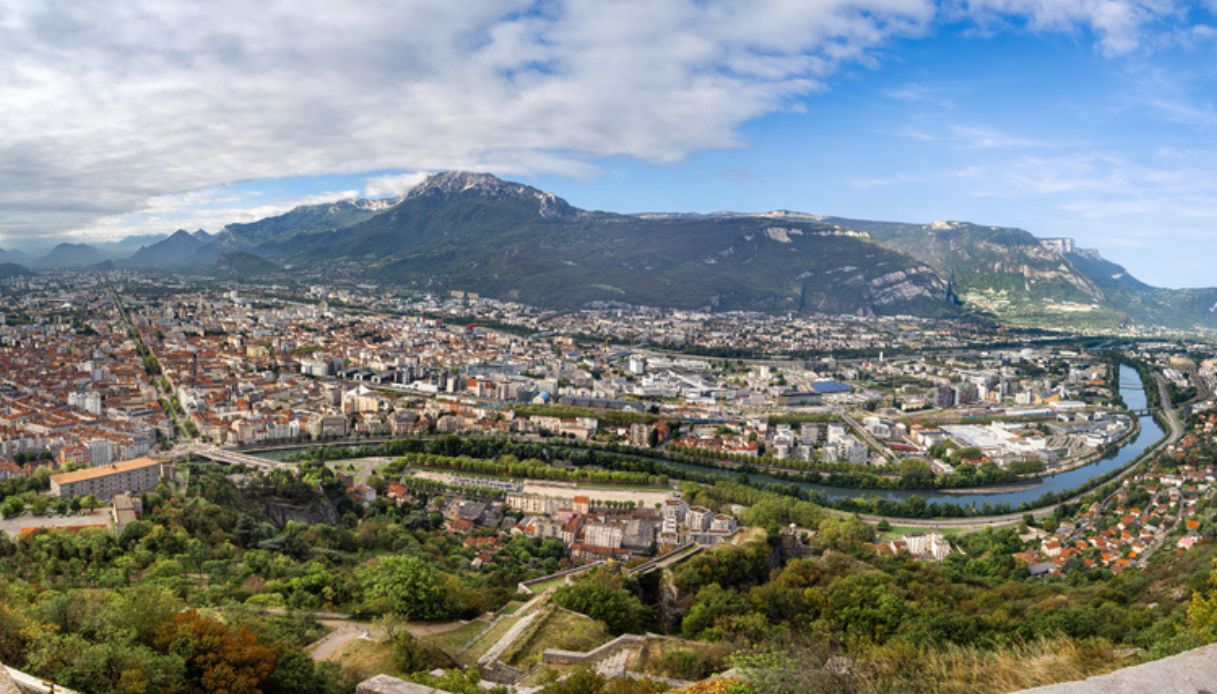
[(122, 391), (694, 346)]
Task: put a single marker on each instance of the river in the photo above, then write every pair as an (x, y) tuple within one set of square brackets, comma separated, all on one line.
[(1134, 396), (1130, 388)]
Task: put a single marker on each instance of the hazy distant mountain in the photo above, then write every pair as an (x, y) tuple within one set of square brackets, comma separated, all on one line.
[(277, 237), (8, 270), (172, 252), (14, 256), (71, 255), (125, 247), (1170, 307)]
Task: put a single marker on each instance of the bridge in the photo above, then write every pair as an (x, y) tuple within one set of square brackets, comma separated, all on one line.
[(1141, 413), (671, 558), (220, 455)]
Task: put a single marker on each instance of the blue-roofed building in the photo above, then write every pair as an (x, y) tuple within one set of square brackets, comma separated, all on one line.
[(831, 387)]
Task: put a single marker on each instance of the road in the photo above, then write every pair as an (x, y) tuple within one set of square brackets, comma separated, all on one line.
[(180, 428), (1172, 415), (12, 526), (868, 438)]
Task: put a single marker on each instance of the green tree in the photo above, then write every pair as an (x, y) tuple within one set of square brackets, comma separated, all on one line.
[(407, 585), (12, 507), (916, 473), (599, 595)]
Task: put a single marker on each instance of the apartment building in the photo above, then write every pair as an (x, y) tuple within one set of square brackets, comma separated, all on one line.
[(132, 476)]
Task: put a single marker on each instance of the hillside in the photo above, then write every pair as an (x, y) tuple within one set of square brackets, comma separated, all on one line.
[(284, 235), (72, 255), (13, 256), (175, 251), (1182, 308), (8, 270), (244, 265), (475, 232), (1018, 278), (1003, 271)]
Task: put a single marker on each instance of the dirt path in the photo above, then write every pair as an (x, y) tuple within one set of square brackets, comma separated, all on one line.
[(344, 631), (332, 643)]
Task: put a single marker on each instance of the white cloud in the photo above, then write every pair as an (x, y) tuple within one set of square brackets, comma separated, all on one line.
[(1119, 25), (209, 209), (109, 105), (392, 186)]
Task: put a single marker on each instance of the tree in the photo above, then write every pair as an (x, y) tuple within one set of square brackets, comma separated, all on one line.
[(14, 634), (143, 609), (1202, 612), (1026, 467), (916, 473), (407, 585), (411, 655), (90, 502), (219, 659), (13, 506), (600, 596), (711, 604)]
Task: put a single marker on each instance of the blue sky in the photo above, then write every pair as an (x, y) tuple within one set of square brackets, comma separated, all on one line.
[(1089, 118)]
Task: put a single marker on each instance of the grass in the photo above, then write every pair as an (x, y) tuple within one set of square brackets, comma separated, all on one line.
[(700, 659), (488, 638), (367, 658), (511, 607), (559, 629), (899, 531), (453, 642), (539, 588), (957, 669)]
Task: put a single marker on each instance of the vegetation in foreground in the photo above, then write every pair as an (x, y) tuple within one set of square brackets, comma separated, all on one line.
[(206, 594)]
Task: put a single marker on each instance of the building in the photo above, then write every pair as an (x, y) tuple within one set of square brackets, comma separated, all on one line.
[(698, 518), (608, 535), (123, 511), (927, 545), (133, 476)]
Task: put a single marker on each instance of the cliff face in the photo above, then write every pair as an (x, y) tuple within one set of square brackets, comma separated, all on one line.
[(319, 510)]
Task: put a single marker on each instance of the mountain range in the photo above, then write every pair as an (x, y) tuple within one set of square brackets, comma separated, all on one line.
[(476, 232)]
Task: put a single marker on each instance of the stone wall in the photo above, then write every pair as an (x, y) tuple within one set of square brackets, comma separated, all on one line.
[(555, 656), (17, 682)]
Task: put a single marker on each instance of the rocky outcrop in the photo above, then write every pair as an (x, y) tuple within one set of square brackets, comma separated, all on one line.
[(318, 511), (384, 684), (905, 286)]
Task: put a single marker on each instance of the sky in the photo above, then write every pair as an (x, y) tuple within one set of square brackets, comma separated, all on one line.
[(1095, 119)]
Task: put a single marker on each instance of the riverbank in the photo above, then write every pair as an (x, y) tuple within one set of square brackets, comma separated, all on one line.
[(1007, 499)]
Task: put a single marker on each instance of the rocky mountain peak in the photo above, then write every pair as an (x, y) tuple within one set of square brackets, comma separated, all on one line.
[(489, 185)]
